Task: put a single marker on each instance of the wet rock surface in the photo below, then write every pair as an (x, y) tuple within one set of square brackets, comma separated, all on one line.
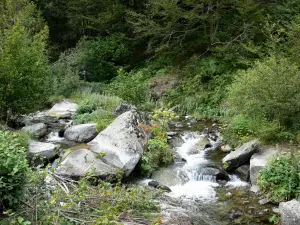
[(41, 153), (240, 156)]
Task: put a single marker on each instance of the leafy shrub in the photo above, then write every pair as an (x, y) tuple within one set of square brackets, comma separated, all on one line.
[(158, 152), (101, 117), (280, 180), (103, 56), (271, 90), (66, 71), (241, 128), (13, 167), (131, 87), (95, 108), (25, 72)]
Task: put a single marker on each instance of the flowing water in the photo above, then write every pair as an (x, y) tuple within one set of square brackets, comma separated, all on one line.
[(221, 202)]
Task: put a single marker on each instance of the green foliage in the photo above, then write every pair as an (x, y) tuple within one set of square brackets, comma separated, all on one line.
[(241, 128), (25, 73), (103, 55), (79, 202), (280, 180), (271, 89), (158, 152), (131, 87), (13, 167), (202, 87), (95, 108)]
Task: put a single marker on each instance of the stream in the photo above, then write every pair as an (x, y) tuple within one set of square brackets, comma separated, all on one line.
[(211, 201)]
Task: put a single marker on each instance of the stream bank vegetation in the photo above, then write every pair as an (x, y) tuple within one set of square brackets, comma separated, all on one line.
[(236, 61)]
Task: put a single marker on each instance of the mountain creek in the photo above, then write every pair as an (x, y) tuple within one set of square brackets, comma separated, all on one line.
[(198, 189)]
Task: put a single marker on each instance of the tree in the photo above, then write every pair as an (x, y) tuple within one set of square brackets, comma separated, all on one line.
[(271, 90), (24, 70)]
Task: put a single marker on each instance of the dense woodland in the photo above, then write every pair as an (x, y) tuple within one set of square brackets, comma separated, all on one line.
[(236, 61)]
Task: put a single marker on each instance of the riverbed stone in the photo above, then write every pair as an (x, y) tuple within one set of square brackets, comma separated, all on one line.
[(122, 142), (38, 130), (40, 153), (80, 162), (289, 212), (169, 176), (209, 172), (81, 133), (240, 156), (243, 172), (203, 143), (259, 160), (64, 109)]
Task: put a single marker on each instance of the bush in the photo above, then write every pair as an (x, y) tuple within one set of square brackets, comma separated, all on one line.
[(24, 70), (131, 87), (158, 152), (241, 128), (280, 180), (271, 90), (13, 167), (95, 108)]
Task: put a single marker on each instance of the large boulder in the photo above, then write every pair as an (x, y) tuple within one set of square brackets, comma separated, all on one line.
[(80, 162), (64, 109), (122, 142), (37, 130), (259, 160), (81, 133), (40, 153), (290, 212), (240, 156)]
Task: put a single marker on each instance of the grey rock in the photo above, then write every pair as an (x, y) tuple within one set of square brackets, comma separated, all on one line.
[(259, 160), (263, 201), (80, 162), (153, 183), (228, 194), (226, 148), (171, 133), (81, 133), (212, 174), (243, 172), (240, 156), (122, 108), (40, 153), (289, 212), (235, 214), (37, 130), (169, 176), (64, 109), (203, 143), (255, 189), (175, 141), (122, 142), (38, 117)]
